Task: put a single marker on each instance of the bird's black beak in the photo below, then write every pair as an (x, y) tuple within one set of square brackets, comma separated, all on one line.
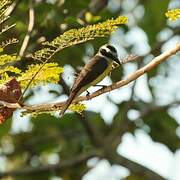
[(116, 60)]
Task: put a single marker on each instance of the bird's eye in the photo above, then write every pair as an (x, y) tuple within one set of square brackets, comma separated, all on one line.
[(108, 54), (103, 52), (111, 48)]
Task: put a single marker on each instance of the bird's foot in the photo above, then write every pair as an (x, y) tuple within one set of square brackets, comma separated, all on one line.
[(88, 95)]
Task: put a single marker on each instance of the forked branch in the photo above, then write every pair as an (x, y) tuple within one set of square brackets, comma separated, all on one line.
[(57, 106)]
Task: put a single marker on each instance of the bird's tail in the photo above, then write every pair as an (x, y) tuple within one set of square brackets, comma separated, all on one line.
[(68, 102)]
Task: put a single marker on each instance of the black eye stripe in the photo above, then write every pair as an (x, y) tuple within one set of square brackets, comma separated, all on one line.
[(104, 53), (111, 48)]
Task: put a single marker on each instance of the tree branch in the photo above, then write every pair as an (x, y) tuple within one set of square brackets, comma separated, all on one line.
[(91, 131), (29, 30), (58, 167), (126, 124), (94, 135), (57, 106), (155, 62), (95, 6), (12, 8), (112, 156), (134, 167)]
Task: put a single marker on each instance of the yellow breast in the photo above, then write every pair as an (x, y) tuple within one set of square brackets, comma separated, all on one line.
[(97, 80)]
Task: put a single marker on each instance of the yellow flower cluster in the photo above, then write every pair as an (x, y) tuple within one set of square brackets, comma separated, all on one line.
[(7, 59), (6, 69), (50, 74), (77, 36), (79, 108), (173, 14)]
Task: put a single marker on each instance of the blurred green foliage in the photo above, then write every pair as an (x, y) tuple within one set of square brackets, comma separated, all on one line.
[(67, 137)]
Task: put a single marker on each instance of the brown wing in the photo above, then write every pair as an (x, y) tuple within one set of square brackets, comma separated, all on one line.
[(90, 72)]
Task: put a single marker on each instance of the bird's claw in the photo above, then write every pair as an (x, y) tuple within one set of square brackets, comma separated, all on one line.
[(88, 95)]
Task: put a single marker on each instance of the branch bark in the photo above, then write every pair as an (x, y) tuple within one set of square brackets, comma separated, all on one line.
[(94, 135), (134, 167), (29, 30), (155, 62), (57, 106), (92, 132), (112, 156), (12, 8), (58, 167)]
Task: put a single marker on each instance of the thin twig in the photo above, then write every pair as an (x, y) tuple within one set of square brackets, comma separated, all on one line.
[(134, 167), (29, 30), (112, 156), (124, 124), (94, 135), (155, 62), (58, 167), (12, 8), (92, 132)]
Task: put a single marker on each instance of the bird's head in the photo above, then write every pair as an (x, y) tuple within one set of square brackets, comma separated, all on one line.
[(109, 52)]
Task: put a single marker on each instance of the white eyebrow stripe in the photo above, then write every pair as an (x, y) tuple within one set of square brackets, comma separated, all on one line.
[(107, 49)]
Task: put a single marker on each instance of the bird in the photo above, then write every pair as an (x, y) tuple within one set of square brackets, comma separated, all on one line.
[(98, 67)]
